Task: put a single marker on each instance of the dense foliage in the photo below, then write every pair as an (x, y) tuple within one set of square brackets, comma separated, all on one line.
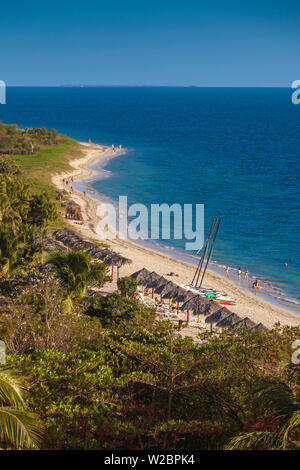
[(168, 394), (127, 286), (24, 217), (8, 166), (115, 310), (77, 272), (18, 141), (19, 428), (108, 375)]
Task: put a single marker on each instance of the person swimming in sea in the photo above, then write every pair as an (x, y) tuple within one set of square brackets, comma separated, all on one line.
[(255, 285)]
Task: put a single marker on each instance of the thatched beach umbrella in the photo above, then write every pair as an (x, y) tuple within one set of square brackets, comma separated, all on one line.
[(211, 307), (67, 234), (70, 204), (103, 255), (218, 315), (245, 323), (185, 296), (174, 292), (89, 247), (51, 245), (197, 303), (159, 282), (74, 240), (118, 260), (153, 278), (166, 288), (94, 250), (141, 276), (229, 321)]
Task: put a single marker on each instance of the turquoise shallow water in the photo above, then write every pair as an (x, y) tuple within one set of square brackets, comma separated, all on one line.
[(234, 150)]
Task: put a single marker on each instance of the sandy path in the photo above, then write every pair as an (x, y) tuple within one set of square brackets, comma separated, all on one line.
[(248, 304)]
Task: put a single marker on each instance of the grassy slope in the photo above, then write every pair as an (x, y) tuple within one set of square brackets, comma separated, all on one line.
[(38, 168)]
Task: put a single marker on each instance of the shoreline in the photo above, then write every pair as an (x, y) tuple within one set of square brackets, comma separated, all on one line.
[(255, 307)]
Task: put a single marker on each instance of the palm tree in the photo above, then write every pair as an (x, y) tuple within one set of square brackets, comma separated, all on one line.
[(8, 249), (19, 429), (23, 220), (77, 271), (14, 201), (282, 400)]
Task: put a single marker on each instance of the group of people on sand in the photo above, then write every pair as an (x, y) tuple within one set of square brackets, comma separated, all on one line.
[(160, 302), (246, 274), (114, 149), (255, 284), (68, 182), (239, 273)]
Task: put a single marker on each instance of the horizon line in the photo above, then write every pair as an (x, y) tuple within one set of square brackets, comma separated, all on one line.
[(146, 86)]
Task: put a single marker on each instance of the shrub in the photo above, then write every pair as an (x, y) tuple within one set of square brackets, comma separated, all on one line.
[(127, 286)]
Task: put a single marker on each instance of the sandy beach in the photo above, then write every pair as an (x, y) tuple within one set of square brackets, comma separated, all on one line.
[(248, 304)]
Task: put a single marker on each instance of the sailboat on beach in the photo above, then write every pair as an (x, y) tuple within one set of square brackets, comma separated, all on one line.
[(197, 281)]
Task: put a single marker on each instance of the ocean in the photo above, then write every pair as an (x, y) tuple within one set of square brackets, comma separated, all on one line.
[(235, 150)]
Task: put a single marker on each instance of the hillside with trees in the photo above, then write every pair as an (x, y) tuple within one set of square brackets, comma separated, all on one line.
[(15, 141)]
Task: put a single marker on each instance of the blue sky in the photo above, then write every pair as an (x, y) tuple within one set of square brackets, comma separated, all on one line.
[(166, 42)]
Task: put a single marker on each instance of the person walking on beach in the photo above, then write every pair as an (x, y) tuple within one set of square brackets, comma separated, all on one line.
[(227, 271), (246, 274), (84, 193), (239, 274)]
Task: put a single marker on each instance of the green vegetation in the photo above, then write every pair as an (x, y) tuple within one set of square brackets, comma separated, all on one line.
[(8, 166), (25, 142), (157, 392), (115, 310), (52, 153), (127, 286), (282, 401), (102, 372), (19, 429), (77, 272), (24, 218), (37, 168)]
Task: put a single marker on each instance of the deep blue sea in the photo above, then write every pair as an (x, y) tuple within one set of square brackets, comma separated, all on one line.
[(235, 150)]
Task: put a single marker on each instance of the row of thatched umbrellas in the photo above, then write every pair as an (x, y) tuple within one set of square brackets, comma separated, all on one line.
[(49, 244), (75, 241), (214, 313)]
